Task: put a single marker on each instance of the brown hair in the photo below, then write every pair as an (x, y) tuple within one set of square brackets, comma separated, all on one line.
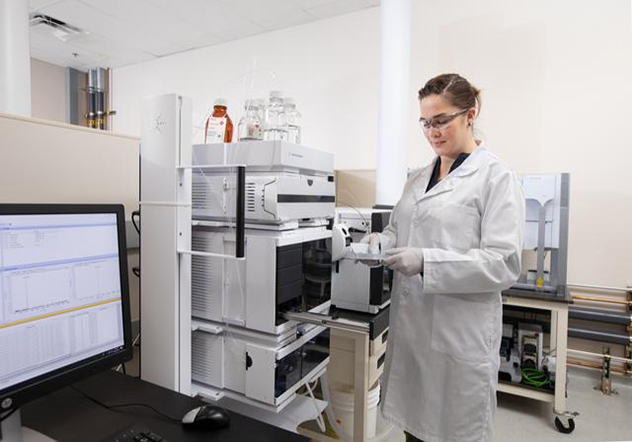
[(456, 89)]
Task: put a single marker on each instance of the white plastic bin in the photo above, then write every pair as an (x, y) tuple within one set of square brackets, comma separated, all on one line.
[(342, 403)]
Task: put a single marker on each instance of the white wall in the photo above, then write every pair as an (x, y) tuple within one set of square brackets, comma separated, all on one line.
[(330, 67), (48, 91), (556, 96)]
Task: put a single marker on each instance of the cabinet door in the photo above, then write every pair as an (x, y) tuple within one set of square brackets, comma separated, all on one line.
[(260, 363)]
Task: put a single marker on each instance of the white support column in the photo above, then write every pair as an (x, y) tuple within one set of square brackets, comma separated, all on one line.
[(394, 108), (166, 225), (15, 58)]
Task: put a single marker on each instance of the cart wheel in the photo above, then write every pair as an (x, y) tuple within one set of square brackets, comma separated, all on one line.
[(562, 429)]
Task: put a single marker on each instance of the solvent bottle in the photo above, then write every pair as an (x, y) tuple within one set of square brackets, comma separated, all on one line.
[(219, 127)]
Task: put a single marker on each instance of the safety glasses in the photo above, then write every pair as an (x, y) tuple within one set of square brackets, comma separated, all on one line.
[(440, 121)]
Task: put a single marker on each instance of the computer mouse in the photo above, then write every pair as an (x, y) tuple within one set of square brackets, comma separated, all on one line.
[(206, 416)]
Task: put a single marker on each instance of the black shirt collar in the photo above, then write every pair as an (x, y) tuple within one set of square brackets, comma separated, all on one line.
[(434, 179)]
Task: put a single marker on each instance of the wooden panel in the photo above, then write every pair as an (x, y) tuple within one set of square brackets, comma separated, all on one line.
[(47, 162), (355, 188)]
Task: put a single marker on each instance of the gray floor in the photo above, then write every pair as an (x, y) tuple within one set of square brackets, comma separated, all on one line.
[(602, 418)]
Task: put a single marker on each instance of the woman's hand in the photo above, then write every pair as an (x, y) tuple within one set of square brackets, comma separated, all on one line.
[(373, 240), (409, 261)]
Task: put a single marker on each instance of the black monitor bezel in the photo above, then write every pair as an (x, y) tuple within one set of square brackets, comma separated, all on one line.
[(17, 395)]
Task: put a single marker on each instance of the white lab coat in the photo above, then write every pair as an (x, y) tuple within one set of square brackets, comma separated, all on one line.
[(445, 326)]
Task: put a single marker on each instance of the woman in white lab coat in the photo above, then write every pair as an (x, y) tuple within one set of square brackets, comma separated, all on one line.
[(454, 242)]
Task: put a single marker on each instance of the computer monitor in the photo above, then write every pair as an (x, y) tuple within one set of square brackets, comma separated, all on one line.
[(64, 297)]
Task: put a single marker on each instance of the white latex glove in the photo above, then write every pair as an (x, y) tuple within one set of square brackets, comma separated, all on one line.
[(373, 240), (407, 260)]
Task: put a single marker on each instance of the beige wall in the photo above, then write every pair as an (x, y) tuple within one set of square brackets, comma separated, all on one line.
[(47, 162), (48, 91)]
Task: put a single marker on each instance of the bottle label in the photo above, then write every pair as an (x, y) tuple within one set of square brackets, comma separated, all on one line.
[(216, 130), (254, 131)]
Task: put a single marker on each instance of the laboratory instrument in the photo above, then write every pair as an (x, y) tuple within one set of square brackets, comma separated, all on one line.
[(287, 185), (546, 232), (283, 271), (213, 318), (256, 367), (356, 286)]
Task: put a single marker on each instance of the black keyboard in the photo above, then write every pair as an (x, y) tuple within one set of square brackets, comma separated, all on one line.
[(136, 434)]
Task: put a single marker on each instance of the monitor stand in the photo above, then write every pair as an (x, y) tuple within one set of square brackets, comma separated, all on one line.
[(11, 430)]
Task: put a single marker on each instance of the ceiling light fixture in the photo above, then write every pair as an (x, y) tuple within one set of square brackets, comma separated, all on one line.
[(59, 29)]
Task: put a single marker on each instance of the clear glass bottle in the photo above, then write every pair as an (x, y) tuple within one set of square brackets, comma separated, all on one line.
[(219, 127), (250, 126), (293, 120), (261, 110), (275, 124)]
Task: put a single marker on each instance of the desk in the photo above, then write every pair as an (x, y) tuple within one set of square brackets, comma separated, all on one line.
[(69, 417)]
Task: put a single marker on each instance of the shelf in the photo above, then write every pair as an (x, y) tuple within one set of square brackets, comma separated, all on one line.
[(524, 391)]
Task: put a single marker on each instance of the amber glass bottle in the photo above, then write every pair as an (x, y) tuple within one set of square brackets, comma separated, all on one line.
[(219, 127)]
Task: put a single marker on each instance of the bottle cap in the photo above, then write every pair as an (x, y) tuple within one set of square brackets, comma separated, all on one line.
[(289, 101), (276, 94), (221, 102)]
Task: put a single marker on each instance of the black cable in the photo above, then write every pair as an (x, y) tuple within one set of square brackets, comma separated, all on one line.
[(112, 407), (136, 271), (6, 416), (136, 213)]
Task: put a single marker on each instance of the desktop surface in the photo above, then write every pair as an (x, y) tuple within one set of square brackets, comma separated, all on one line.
[(66, 415)]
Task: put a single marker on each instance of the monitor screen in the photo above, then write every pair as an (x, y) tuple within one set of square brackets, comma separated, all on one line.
[(64, 302)]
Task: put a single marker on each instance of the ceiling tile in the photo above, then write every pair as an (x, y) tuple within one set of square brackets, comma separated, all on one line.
[(340, 7), (244, 31), (122, 32), (90, 50), (206, 15), (286, 20), (259, 11), (310, 4), (200, 40), (37, 4), (143, 16), (107, 48), (87, 18)]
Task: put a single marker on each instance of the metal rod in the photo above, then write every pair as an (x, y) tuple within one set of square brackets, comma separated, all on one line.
[(600, 335), (604, 300), (594, 366), (598, 355), (600, 287), (328, 321), (606, 316)]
